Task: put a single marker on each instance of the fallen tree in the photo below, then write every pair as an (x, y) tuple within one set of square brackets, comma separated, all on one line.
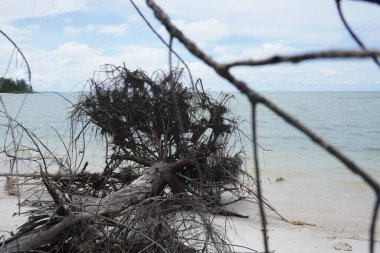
[(169, 163)]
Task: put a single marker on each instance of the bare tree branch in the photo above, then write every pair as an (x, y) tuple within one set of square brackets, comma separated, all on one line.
[(330, 54), (352, 33), (255, 97), (257, 172), (369, 1), (22, 54)]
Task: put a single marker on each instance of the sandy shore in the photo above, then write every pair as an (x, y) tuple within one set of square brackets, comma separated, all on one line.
[(337, 213), (8, 209)]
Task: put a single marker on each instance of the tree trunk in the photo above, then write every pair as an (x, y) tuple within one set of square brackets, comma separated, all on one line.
[(151, 183)]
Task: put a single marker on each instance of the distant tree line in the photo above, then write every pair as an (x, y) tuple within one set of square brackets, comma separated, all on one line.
[(8, 85)]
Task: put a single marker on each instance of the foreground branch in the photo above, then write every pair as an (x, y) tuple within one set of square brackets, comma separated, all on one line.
[(330, 54), (255, 98)]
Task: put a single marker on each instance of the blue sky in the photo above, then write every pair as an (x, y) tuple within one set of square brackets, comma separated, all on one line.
[(66, 41)]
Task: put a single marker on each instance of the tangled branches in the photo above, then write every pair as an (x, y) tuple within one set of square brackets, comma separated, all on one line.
[(170, 170), (157, 119)]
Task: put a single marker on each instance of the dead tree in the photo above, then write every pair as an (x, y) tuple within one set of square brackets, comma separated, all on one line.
[(158, 119), (174, 169), (169, 162)]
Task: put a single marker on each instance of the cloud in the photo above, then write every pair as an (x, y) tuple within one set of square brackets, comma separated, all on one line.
[(293, 21), (238, 52), (71, 64), (329, 71), (147, 58), (225, 30), (65, 67), (118, 30), (17, 9), (68, 66), (73, 30), (204, 30), (318, 75)]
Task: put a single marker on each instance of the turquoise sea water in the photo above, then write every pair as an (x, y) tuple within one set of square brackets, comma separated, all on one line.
[(348, 120)]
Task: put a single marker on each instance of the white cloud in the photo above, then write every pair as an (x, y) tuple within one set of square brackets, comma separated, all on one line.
[(329, 71), (326, 75), (268, 49), (65, 67), (252, 28), (296, 21), (19, 34), (118, 30), (210, 79), (204, 30), (17, 9), (33, 27), (146, 58), (318, 75), (231, 53), (72, 30), (69, 66)]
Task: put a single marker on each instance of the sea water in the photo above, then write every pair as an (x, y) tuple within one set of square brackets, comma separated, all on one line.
[(350, 121), (47, 116)]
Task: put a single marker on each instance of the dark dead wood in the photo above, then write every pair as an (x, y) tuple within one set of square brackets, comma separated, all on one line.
[(150, 183), (168, 166), (41, 237), (225, 212)]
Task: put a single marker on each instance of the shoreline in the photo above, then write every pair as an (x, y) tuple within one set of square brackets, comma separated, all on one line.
[(340, 215)]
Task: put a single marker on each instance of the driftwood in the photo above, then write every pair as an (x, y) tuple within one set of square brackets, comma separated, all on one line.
[(92, 210), (150, 183)]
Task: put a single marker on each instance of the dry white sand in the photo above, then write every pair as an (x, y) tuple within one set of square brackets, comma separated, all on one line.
[(340, 213), (8, 209)]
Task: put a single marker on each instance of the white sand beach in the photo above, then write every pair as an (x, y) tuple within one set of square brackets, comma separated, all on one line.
[(338, 215), (8, 209)]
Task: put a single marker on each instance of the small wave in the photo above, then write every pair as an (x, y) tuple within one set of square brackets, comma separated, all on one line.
[(372, 149), (357, 97)]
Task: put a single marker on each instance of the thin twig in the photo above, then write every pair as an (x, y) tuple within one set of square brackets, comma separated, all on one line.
[(22, 54), (369, 1), (258, 179), (169, 46), (15, 147), (352, 33), (375, 213)]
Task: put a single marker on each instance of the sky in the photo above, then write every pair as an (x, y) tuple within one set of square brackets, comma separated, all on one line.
[(65, 42)]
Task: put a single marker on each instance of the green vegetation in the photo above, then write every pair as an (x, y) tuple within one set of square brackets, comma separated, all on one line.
[(8, 85)]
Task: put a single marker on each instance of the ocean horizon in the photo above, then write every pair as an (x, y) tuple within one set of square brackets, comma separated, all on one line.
[(349, 120)]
